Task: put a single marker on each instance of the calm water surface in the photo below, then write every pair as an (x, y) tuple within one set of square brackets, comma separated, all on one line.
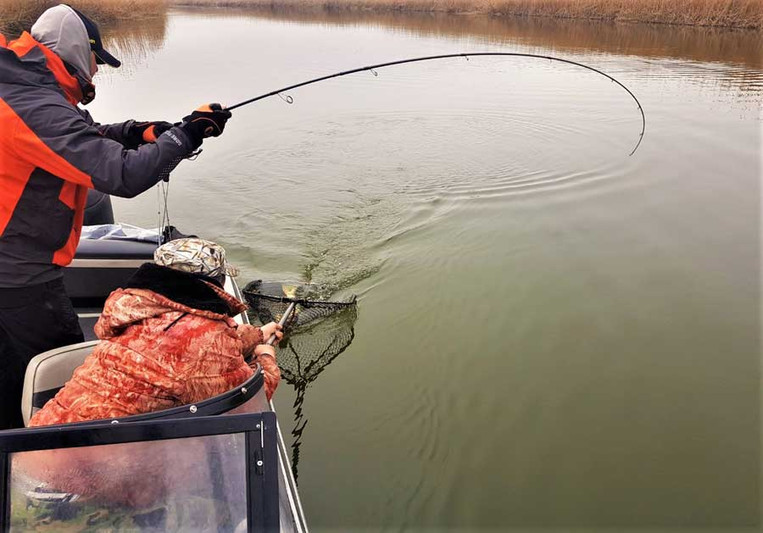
[(551, 334)]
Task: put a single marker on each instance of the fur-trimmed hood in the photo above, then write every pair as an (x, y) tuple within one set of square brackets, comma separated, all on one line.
[(155, 290)]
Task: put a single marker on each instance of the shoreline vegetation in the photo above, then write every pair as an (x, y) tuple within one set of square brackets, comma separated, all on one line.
[(16, 15), (717, 13), (19, 15)]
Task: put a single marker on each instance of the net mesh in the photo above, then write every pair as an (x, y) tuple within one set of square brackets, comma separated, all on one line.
[(318, 332)]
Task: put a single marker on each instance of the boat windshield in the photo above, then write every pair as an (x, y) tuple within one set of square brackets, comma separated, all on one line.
[(193, 483)]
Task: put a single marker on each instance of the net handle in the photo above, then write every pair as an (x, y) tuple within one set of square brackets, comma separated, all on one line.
[(282, 322)]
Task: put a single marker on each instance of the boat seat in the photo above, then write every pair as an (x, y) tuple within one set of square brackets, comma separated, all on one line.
[(49, 371)]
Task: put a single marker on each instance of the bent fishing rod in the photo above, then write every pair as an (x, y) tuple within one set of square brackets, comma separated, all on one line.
[(373, 68)]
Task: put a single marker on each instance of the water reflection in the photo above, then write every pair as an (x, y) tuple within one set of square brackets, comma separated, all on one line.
[(646, 40), (134, 41), (737, 50)]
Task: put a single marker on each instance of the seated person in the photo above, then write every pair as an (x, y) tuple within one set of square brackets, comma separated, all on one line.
[(167, 339)]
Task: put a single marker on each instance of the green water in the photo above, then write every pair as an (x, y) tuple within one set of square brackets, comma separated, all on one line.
[(551, 335)]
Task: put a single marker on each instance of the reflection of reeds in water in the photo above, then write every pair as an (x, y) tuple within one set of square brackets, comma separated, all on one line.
[(727, 13), (18, 15), (134, 40), (564, 36), (131, 29)]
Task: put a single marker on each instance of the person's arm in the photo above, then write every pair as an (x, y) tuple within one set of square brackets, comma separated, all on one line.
[(250, 337), (265, 356), (131, 133), (58, 139), (213, 361), (67, 146), (206, 121)]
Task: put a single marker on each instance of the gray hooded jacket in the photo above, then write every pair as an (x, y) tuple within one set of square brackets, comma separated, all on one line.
[(52, 152), (61, 30)]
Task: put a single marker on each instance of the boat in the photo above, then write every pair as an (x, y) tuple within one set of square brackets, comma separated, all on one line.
[(218, 465)]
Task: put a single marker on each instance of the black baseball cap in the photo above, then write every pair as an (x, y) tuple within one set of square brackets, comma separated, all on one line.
[(102, 57)]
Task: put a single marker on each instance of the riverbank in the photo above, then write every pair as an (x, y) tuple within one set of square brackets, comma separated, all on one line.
[(18, 15), (715, 13)]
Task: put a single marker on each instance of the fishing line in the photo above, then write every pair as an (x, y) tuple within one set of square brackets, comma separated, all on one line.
[(163, 212), (374, 68)]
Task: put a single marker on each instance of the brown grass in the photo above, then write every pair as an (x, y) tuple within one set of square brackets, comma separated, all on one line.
[(694, 43), (719, 13), (18, 15)]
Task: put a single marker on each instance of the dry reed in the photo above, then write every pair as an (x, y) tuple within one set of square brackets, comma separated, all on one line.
[(18, 15), (719, 13)]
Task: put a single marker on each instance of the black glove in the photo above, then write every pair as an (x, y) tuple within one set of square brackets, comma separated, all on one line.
[(139, 133), (207, 121)]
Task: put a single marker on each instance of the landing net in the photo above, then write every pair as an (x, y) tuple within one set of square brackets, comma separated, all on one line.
[(317, 332)]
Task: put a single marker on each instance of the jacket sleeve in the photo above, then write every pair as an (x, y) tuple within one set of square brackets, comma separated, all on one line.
[(250, 337), (76, 151), (213, 361), (116, 132), (271, 373)]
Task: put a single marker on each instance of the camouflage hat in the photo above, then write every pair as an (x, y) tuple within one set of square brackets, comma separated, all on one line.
[(195, 256)]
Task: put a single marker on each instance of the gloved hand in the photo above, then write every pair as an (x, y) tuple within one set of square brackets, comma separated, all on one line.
[(154, 129), (207, 121), (139, 133)]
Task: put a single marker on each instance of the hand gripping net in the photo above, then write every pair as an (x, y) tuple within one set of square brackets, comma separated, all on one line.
[(317, 333)]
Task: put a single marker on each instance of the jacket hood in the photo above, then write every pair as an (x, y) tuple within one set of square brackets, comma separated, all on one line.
[(186, 289), (28, 62), (62, 31), (155, 290)]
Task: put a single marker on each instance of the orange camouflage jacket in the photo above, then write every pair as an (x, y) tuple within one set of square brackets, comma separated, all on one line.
[(167, 339)]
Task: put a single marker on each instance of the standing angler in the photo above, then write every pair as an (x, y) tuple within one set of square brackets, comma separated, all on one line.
[(51, 153)]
